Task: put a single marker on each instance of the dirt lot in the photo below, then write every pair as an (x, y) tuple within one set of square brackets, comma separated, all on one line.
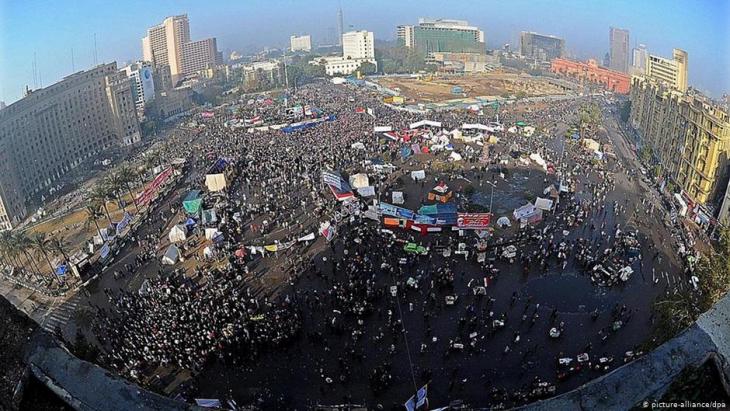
[(435, 89)]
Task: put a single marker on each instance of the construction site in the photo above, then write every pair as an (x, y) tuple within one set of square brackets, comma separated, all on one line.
[(433, 88)]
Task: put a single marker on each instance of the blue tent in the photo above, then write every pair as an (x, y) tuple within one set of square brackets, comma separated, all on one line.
[(405, 152), (61, 270), (191, 222)]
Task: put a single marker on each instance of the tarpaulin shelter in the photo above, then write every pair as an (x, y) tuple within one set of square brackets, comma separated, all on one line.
[(441, 214), (171, 256), (503, 222), (215, 182), (543, 204), (209, 216), (591, 144), (192, 202), (527, 214), (178, 233), (359, 180), (440, 193), (368, 191), (398, 197), (211, 233)]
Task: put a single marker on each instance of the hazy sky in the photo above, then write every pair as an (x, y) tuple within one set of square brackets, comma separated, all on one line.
[(50, 29)]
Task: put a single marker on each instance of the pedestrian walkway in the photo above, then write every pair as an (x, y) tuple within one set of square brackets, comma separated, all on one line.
[(61, 315)]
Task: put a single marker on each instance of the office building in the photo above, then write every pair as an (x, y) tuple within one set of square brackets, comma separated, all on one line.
[(404, 35), (169, 44), (671, 72), (541, 47), (689, 136), (639, 61), (340, 26), (619, 50), (300, 43), (442, 35), (358, 45), (591, 72), (143, 84), (200, 55), (53, 130)]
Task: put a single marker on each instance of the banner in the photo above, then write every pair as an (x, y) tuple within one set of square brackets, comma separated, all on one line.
[(152, 189), (124, 223), (473, 221), (308, 237), (327, 230), (395, 211), (418, 400)]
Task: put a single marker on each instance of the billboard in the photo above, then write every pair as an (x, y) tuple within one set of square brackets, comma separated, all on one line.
[(473, 221)]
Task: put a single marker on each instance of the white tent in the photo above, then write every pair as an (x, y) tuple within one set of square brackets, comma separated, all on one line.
[(544, 204), (215, 182), (359, 180), (455, 156), (211, 233), (475, 126), (358, 146), (178, 233), (503, 222), (398, 197), (208, 252), (536, 157), (171, 256), (338, 80), (382, 129), (418, 175)]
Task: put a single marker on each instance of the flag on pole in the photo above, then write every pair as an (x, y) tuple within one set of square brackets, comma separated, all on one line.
[(418, 400)]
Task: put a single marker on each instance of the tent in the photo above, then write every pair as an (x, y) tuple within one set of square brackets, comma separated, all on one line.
[(537, 158), (192, 202), (398, 197), (209, 216), (358, 146), (215, 182), (211, 233), (503, 222), (418, 175), (455, 156), (178, 233), (359, 180), (208, 252), (544, 204), (368, 191), (591, 144), (422, 123), (171, 256)]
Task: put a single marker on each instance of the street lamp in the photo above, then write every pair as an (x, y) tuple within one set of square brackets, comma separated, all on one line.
[(491, 197)]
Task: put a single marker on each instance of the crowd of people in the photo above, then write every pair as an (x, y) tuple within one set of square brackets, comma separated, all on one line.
[(361, 298)]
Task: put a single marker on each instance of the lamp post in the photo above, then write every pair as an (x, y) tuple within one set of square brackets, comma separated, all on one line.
[(491, 197)]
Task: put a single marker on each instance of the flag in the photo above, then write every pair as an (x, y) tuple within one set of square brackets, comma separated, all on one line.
[(327, 230), (419, 400), (340, 188)]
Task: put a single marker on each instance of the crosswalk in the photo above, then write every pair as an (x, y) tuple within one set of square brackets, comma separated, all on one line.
[(60, 316)]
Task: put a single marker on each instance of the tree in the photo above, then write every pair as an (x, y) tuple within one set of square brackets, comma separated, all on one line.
[(93, 214), (367, 68), (99, 195), (24, 245), (42, 245), (60, 245), (114, 184), (127, 175)]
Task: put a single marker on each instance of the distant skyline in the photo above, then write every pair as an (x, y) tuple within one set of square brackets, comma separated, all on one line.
[(51, 29)]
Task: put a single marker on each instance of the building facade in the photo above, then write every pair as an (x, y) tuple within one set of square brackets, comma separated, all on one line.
[(143, 84), (672, 72), (689, 136), (442, 35), (591, 72), (300, 43), (541, 47), (619, 50), (53, 130), (169, 44), (639, 61), (358, 45)]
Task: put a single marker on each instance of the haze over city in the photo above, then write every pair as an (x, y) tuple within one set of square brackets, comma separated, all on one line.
[(50, 29)]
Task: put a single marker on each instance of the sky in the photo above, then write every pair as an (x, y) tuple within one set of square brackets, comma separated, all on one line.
[(47, 31)]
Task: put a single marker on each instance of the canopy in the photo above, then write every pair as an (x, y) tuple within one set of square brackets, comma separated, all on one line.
[(359, 180), (368, 191), (211, 233), (425, 123), (192, 202), (215, 182), (209, 216), (475, 126), (171, 256), (544, 204), (455, 156), (178, 233), (503, 222)]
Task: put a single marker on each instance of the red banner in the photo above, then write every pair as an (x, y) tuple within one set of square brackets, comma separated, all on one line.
[(473, 221), (154, 186)]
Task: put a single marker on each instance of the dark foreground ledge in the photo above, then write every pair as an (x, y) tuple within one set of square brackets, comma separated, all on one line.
[(86, 386)]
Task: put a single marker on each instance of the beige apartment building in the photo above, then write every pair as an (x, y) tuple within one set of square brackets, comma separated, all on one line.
[(672, 72), (169, 44), (53, 130), (689, 135)]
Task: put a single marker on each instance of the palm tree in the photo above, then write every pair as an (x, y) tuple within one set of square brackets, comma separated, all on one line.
[(42, 244), (100, 194), (24, 245), (60, 245), (114, 184), (93, 214), (9, 250), (127, 175)]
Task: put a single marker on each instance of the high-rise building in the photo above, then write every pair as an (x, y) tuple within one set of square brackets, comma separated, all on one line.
[(53, 130), (405, 36), (340, 26), (619, 49), (168, 44), (639, 61), (358, 45), (200, 55), (672, 72), (301, 43), (689, 135), (541, 47), (143, 84), (442, 35)]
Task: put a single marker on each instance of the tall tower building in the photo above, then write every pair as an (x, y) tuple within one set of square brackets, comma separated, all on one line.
[(169, 44), (340, 26), (619, 49), (358, 45), (639, 61)]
